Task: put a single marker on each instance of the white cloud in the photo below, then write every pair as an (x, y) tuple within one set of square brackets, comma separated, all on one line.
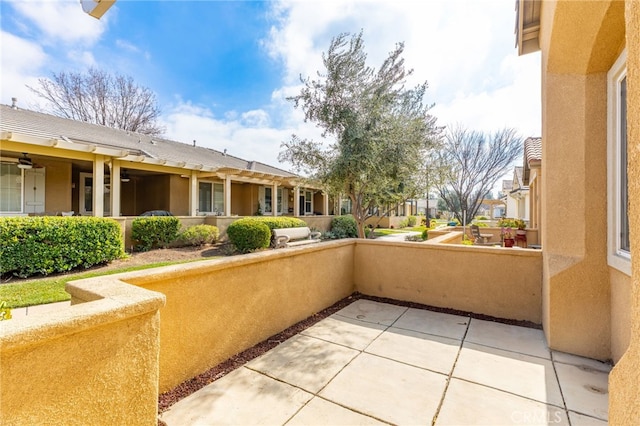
[(21, 61), (62, 20)]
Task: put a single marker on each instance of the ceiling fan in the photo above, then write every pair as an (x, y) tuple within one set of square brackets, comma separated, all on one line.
[(26, 163)]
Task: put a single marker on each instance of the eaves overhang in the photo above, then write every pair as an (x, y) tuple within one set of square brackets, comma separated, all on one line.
[(528, 26)]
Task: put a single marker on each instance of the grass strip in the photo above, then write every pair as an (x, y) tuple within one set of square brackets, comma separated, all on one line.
[(51, 290)]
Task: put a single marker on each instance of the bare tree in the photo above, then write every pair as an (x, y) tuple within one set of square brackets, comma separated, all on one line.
[(470, 163), (101, 98)]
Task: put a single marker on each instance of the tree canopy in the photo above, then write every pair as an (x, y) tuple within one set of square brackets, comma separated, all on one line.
[(375, 131), (101, 98), (470, 163)]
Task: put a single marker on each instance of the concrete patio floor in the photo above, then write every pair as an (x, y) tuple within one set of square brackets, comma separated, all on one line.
[(376, 363)]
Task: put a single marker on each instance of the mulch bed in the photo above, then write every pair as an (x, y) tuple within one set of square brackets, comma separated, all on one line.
[(190, 386)]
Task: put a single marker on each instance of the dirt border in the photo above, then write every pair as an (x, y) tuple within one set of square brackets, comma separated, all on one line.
[(186, 388)]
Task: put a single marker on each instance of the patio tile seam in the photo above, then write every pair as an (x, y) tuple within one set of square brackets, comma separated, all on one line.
[(555, 373), (425, 333), (514, 394), (591, 416), (450, 375), (406, 363), (352, 409), (510, 350)]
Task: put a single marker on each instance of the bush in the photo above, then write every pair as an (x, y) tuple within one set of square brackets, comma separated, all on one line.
[(48, 244), (403, 223), (344, 227), (198, 235), (412, 220), (154, 231), (249, 234), (425, 234), (507, 222), (282, 222), (482, 218)]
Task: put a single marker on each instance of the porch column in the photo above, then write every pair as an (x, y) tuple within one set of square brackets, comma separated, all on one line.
[(274, 199), (296, 201), (193, 193), (115, 188), (98, 186), (227, 196), (325, 203)]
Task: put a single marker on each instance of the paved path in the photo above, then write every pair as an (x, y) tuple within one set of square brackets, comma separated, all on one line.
[(374, 363)]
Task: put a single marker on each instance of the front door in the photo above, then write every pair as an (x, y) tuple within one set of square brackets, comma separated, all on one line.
[(86, 195), (34, 180)]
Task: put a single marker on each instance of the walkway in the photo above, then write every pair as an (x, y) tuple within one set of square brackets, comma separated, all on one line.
[(375, 363)]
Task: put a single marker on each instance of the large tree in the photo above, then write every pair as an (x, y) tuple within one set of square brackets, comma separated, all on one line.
[(101, 98), (375, 131), (470, 163)]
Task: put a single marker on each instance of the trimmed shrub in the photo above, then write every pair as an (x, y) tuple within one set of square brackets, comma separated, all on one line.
[(249, 234), (344, 227), (154, 231), (412, 220), (48, 244), (198, 235), (425, 234), (403, 223), (282, 222)]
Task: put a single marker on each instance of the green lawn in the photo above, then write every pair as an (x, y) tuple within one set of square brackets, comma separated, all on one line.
[(50, 290)]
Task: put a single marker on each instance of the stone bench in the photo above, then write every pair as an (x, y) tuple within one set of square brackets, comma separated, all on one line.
[(291, 237)]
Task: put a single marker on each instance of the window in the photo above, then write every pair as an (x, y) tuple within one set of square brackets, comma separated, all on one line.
[(268, 200), (308, 202), (10, 188), (618, 245), (210, 198)]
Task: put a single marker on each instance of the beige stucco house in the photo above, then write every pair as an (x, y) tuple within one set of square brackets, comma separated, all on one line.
[(532, 176), (591, 116), (52, 165)]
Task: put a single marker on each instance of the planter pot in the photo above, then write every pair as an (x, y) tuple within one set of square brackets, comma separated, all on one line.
[(521, 232), (508, 242)]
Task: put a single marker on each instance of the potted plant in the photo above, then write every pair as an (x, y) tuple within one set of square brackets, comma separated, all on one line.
[(521, 225), (507, 237)]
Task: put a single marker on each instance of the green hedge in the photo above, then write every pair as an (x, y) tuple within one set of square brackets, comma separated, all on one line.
[(282, 222), (249, 234), (48, 244), (154, 231), (198, 235), (344, 227)]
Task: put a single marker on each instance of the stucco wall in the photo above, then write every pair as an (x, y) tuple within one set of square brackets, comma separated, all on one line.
[(496, 281), (579, 42), (179, 195), (92, 363), (624, 380), (217, 308), (57, 196)]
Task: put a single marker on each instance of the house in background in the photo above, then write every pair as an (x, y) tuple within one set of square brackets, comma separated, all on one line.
[(52, 165), (518, 196), (591, 116), (532, 177)]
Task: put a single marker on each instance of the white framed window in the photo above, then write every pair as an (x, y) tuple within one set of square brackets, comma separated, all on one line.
[(266, 200), (210, 198), (618, 244), (10, 188)]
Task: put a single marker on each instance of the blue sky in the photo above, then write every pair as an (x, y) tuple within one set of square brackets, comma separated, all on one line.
[(221, 70)]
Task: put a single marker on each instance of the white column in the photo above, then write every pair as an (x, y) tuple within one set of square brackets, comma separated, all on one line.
[(325, 203), (274, 199), (193, 193), (227, 196), (115, 188), (98, 186), (296, 202)]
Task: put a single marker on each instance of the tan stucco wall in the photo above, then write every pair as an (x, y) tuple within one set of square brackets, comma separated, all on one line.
[(92, 363), (152, 193), (496, 281), (217, 308), (621, 296), (624, 380), (179, 195), (579, 42), (57, 196)]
